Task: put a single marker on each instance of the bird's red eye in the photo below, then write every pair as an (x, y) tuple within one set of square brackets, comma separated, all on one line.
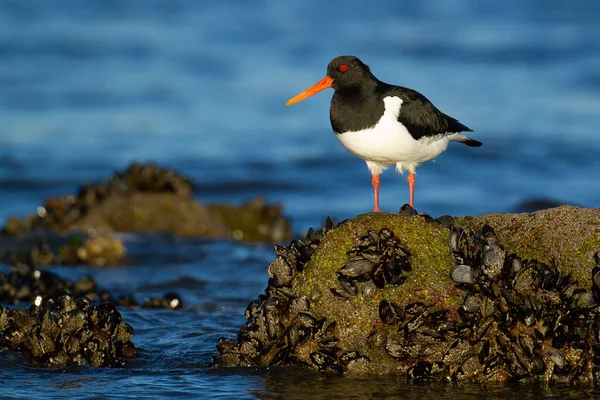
[(343, 68)]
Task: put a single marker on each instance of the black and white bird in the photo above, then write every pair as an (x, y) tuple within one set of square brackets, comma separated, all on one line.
[(383, 124)]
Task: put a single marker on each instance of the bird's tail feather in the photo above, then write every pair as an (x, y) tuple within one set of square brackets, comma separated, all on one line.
[(459, 137), (471, 142)]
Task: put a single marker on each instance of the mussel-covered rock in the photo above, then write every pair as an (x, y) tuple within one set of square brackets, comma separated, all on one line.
[(424, 298), (65, 330), (351, 279), (26, 284), (566, 236), (525, 319)]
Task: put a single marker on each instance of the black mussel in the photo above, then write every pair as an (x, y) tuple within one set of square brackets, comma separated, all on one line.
[(305, 252), (463, 274), (299, 304), (488, 307), (415, 308), (224, 345), (427, 217), (378, 338), (328, 225), (398, 264), (516, 362), (425, 370), (373, 236), (455, 239), (406, 209), (487, 232), (555, 356), (513, 264), (472, 302), (455, 352), (432, 334), (348, 287), (481, 330), (378, 277), (281, 272), (465, 315), (468, 369), (390, 312), (363, 243), (413, 323), (395, 349), (527, 279), (369, 290), (385, 234), (286, 253), (308, 236), (445, 220), (324, 362), (350, 357), (484, 352), (357, 269), (297, 335), (492, 366), (493, 261), (329, 342), (310, 321)]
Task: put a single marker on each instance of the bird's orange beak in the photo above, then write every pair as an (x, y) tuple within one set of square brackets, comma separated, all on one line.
[(323, 84)]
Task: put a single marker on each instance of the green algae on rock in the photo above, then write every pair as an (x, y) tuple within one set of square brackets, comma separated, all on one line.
[(149, 199), (374, 295)]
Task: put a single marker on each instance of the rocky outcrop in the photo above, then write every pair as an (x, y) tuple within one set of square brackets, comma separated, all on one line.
[(565, 236), (67, 330), (431, 299), (149, 199)]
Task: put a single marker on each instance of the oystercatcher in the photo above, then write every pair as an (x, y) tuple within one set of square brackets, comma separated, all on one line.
[(384, 124)]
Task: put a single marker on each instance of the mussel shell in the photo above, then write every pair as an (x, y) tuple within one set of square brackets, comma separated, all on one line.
[(463, 274), (357, 269), (390, 312)]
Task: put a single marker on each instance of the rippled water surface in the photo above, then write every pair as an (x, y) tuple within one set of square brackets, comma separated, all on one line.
[(88, 86)]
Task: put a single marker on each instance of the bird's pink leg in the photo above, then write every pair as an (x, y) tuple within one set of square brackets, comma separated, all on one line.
[(375, 183), (412, 178)]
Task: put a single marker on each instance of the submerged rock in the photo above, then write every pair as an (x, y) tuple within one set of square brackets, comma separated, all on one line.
[(26, 284), (146, 198), (68, 330), (409, 295), (73, 249)]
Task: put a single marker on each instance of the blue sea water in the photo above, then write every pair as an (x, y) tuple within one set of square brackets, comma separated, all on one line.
[(88, 86)]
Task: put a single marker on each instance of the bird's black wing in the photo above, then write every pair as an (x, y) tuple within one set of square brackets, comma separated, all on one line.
[(420, 117)]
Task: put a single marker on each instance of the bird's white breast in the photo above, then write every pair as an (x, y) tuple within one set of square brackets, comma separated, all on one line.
[(389, 142)]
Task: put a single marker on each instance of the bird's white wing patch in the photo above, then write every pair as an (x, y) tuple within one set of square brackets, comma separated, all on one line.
[(388, 142)]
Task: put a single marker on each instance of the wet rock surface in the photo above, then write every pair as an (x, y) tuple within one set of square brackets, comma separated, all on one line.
[(68, 330), (422, 298), (146, 198), (567, 236)]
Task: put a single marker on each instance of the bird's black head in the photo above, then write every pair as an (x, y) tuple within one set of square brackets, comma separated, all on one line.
[(348, 71), (344, 72)]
